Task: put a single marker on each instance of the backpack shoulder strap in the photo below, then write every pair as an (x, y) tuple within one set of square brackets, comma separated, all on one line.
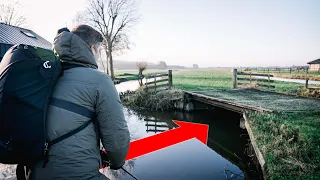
[(69, 106), (66, 66)]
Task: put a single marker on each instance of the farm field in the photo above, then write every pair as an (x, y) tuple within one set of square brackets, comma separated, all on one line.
[(218, 79)]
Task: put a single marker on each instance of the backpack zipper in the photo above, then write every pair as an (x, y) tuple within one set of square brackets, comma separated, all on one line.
[(46, 144), (46, 148)]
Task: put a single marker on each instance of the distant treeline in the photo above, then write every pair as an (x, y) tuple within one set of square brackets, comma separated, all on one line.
[(128, 65)]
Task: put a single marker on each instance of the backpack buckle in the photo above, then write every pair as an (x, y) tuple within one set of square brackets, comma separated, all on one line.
[(45, 148), (9, 141)]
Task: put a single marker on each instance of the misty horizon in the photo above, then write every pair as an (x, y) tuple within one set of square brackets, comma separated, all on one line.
[(208, 33)]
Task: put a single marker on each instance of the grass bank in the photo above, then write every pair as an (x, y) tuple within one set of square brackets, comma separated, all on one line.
[(290, 143), (151, 100)]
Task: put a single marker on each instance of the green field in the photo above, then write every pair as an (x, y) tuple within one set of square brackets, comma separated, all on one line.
[(202, 79), (193, 80)]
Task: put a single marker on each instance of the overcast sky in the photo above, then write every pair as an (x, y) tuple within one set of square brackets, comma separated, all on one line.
[(206, 32)]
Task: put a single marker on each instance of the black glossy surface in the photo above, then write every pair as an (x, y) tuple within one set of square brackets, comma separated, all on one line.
[(222, 158)]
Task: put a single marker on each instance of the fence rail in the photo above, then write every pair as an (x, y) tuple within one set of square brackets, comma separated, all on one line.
[(162, 80), (240, 81), (253, 76), (158, 84), (254, 79), (278, 70)]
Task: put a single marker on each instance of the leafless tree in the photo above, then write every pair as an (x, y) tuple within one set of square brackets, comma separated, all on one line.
[(114, 19), (141, 67), (104, 60), (9, 14)]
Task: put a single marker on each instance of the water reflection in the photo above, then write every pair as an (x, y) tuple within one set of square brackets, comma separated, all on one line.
[(223, 158)]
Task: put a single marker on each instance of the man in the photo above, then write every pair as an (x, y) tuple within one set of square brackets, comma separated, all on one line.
[(78, 157)]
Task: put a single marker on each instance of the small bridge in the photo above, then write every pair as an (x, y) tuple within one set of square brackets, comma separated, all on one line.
[(244, 100)]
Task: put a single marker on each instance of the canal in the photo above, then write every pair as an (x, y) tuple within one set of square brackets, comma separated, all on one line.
[(224, 157)]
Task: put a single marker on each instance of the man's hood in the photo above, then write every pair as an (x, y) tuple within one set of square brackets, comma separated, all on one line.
[(72, 49)]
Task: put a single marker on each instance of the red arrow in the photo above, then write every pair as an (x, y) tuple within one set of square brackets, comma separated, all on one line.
[(185, 131)]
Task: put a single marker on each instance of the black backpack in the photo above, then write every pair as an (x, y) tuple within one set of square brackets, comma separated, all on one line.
[(27, 78)]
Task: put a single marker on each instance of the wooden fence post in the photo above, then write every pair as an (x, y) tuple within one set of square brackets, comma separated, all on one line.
[(146, 82), (155, 83), (307, 78), (170, 78), (268, 81), (234, 78)]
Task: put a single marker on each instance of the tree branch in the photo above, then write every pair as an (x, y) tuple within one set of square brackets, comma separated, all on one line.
[(9, 14)]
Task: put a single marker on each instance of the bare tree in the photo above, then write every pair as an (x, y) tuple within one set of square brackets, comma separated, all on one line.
[(79, 18), (114, 19), (104, 60), (141, 67), (9, 14)]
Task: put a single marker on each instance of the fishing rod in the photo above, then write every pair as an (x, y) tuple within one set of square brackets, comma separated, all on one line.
[(106, 163), (129, 173)]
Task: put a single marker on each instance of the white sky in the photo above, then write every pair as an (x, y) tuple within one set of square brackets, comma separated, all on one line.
[(206, 32)]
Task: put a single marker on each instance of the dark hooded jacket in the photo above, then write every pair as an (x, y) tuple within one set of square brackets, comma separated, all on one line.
[(78, 157)]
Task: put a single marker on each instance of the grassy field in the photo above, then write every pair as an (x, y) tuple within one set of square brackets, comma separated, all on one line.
[(194, 80), (202, 79)]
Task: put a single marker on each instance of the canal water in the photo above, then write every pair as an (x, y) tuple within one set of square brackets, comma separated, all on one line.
[(224, 156)]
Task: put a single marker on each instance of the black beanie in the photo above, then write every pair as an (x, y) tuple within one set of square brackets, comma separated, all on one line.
[(63, 29)]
